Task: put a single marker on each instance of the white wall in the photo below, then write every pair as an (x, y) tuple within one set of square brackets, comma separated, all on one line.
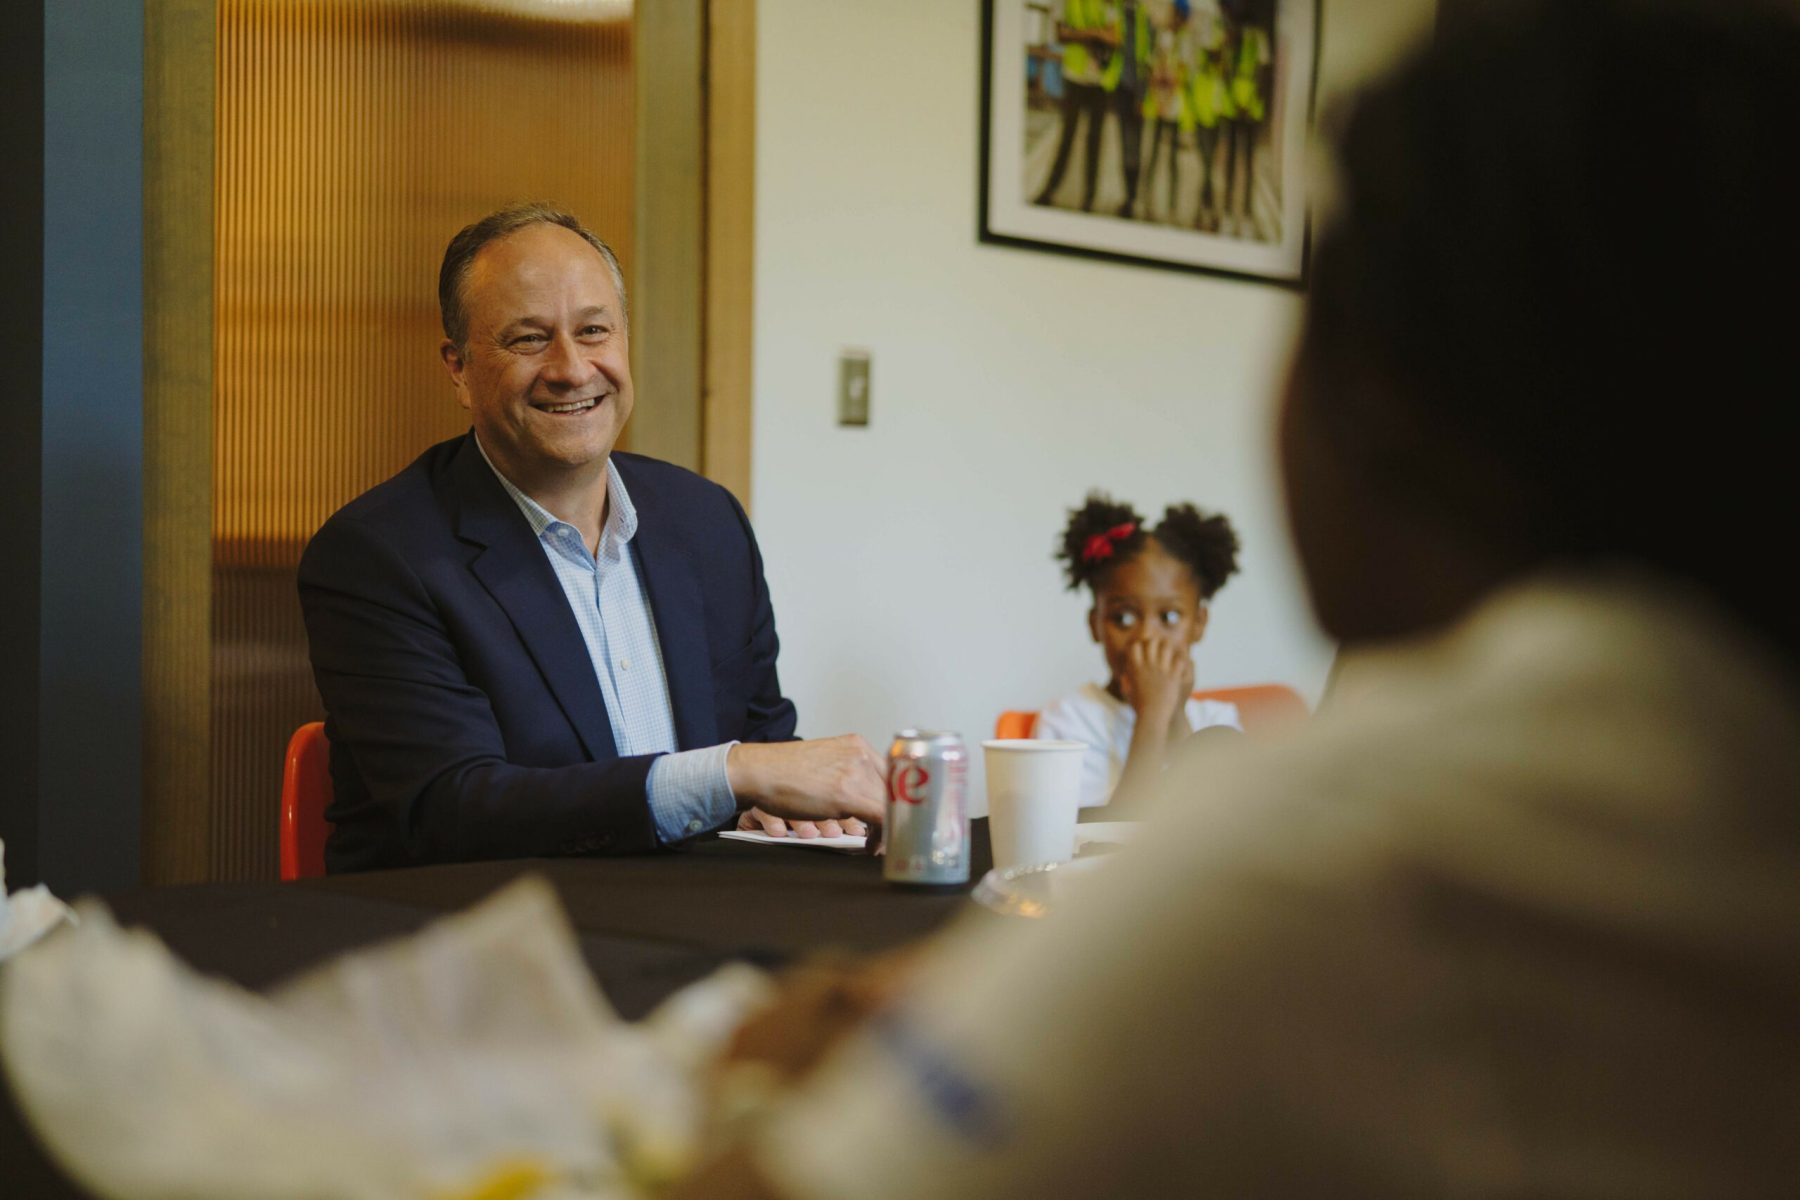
[(910, 561)]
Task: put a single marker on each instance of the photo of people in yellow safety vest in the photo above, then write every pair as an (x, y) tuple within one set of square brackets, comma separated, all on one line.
[(1165, 112)]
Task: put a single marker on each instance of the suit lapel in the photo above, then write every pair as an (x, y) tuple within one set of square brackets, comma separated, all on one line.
[(673, 588), (510, 564)]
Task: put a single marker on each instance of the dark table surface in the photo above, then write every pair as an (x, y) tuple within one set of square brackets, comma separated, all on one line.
[(647, 925)]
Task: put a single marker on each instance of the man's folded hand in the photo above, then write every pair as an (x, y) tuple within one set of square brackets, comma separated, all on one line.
[(809, 789)]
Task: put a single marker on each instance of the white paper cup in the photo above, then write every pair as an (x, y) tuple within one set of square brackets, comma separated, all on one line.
[(1034, 794)]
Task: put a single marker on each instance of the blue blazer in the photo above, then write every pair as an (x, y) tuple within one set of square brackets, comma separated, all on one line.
[(463, 712)]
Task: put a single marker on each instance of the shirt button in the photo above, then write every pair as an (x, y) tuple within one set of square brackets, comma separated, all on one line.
[(624, 664), (694, 826)]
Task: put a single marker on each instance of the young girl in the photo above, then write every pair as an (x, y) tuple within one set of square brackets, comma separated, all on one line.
[(1150, 590)]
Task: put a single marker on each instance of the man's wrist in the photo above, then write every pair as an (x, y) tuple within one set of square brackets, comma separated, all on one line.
[(743, 773)]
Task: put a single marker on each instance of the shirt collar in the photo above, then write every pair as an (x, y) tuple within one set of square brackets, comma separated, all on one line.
[(621, 515)]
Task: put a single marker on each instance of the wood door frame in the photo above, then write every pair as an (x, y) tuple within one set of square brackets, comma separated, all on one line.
[(693, 298), (729, 382), (180, 59)]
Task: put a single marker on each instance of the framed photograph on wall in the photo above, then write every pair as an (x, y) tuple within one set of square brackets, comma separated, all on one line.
[(1170, 133)]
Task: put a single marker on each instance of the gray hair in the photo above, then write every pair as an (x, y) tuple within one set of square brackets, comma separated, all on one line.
[(498, 224)]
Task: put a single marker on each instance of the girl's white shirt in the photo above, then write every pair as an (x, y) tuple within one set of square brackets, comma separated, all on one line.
[(1093, 716)]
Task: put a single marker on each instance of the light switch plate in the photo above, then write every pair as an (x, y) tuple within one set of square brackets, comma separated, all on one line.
[(853, 388)]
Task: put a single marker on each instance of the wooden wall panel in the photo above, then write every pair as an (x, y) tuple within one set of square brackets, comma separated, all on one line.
[(352, 139)]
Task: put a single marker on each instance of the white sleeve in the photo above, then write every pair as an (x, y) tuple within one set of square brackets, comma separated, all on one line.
[(1210, 714), (1208, 1010), (1071, 719)]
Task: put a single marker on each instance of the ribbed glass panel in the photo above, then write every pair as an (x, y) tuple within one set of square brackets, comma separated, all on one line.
[(353, 138)]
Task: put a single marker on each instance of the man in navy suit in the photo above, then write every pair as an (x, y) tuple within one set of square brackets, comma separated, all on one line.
[(528, 644)]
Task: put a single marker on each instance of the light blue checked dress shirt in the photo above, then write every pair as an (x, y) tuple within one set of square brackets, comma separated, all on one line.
[(689, 790)]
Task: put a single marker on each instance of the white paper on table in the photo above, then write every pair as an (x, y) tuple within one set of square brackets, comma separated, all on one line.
[(847, 841)]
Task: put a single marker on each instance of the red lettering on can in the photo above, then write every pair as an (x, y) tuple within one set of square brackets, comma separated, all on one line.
[(908, 782)]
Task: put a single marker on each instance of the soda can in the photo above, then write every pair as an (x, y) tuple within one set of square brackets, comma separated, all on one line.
[(927, 810)]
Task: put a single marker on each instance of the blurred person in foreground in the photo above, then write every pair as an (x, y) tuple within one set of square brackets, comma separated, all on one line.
[(1523, 919), (530, 643)]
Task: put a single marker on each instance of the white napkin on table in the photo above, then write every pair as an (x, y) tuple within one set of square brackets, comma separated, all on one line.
[(844, 841)]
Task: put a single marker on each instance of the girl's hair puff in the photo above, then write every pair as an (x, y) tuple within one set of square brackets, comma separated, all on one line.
[(1205, 542), (1103, 533), (1100, 519)]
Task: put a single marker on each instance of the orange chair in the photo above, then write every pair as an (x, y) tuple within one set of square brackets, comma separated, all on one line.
[(305, 795), (1015, 723), (1261, 706)]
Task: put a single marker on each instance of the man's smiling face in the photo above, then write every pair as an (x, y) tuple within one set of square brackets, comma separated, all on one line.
[(545, 368)]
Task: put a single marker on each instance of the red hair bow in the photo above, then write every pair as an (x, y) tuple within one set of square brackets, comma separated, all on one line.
[(1101, 545)]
